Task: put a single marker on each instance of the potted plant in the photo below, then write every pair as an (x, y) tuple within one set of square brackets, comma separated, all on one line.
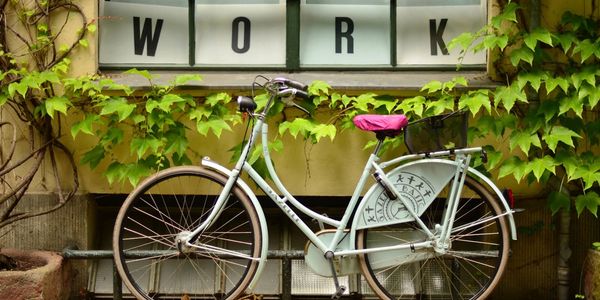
[(591, 273)]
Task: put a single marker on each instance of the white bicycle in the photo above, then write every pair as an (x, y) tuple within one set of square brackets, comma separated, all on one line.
[(428, 227)]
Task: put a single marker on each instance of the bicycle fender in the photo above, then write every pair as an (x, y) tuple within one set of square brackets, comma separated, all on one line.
[(421, 181), (209, 164)]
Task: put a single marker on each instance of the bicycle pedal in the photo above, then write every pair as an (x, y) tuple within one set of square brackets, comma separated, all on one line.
[(340, 291)]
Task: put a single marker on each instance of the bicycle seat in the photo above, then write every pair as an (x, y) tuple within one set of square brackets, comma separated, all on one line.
[(386, 125)]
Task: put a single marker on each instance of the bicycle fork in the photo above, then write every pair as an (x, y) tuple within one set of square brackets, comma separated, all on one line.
[(442, 243)]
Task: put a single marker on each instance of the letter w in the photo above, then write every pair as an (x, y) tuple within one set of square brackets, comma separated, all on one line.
[(139, 40)]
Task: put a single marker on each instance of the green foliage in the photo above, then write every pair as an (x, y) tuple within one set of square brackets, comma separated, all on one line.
[(546, 108), (159, 123), (543, 112)]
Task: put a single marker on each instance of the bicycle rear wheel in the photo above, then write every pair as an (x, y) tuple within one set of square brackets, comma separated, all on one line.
[(174, 201), (469, 270)]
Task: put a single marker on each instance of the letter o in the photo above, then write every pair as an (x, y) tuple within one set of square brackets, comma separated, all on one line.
[(235, 30)]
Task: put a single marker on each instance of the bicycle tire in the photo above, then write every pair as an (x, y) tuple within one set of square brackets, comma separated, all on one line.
[(470, 270), (172, 201)]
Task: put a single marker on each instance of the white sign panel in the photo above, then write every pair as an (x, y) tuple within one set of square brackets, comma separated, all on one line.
[(344, 32), (240, 32), (425, 27), (149, 33)]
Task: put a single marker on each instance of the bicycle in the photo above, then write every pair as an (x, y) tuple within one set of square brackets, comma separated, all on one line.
[(430, 226)]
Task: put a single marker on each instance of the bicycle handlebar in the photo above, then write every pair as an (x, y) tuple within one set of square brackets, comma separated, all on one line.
[(280, 87), (292, 83)]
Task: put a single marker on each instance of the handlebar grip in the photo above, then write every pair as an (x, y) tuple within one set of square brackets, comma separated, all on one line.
[(296, 84), (302, 94)]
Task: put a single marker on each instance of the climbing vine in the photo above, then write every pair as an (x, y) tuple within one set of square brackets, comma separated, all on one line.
[(34, 63)]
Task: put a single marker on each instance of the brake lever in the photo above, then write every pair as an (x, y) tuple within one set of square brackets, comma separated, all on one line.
[(290, 102)]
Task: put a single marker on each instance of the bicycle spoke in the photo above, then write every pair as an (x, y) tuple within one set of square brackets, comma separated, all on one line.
[(155, 214), (467, 270)]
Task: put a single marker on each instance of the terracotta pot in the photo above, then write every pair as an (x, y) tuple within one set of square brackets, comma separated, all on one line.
[(591, 280), (50, 281)]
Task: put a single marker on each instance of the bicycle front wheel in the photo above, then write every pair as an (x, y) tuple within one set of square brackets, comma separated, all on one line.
[(172, 203), (470, 269)]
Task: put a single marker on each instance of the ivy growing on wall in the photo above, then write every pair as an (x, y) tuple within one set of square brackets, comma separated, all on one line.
[(544, 111)]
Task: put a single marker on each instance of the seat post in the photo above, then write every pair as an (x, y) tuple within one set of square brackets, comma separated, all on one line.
[(380, 139)]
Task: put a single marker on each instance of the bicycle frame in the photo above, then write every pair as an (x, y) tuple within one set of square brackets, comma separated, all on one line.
[(340, 225), (260, 128)]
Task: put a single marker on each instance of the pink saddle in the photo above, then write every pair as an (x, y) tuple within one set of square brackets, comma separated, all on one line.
[(388, 125)]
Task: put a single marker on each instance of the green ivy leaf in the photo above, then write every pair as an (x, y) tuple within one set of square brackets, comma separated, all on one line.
[(216, 98), (176, 141), (587, 74), (549, 109), (57, 103), (216, 126), (586, 48), (91, 28), (142, 73), (588, 175), (164, 103), (141, 145), (508, 95), (533, 78), (558, 201), (84, 43), (464, 40), (85, 125), (524, 140), (48, 76), (19, 87), (589, 201), (364, 100), (494, 157), (113, 135), (276, 145), (93, 157), (115, 172), (541, 165), (181, 160), (318, 87), (432, 86), (439, 106), (119, 106), (566, 40), (412, 105), (591, 93), (185, 78), (298, 125), (199, 113), (508, 15), (513, 166), (492, 41), (137, 119), (135, 172), (324, 130), (474, 100), (559, 134), (521, 54), (553, 82), (571, 103), (538, 34)]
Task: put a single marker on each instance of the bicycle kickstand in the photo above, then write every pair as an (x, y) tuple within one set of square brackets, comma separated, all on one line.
[(339, 289)]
